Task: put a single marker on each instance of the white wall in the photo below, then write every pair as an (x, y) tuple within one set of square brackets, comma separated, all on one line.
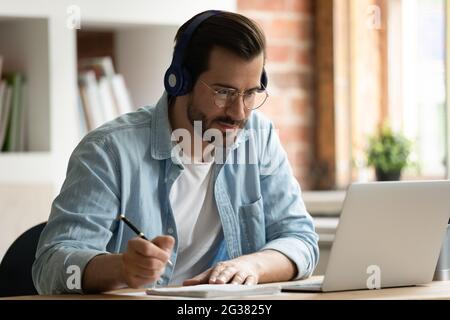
[(16, 216), (143, 55)]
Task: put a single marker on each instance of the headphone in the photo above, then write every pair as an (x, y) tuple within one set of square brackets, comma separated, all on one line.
[(177, 80)]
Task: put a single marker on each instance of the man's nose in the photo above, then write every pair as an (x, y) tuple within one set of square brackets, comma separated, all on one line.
[(237, 110)]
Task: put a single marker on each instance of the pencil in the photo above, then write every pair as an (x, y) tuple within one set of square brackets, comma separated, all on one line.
[(137, 231)]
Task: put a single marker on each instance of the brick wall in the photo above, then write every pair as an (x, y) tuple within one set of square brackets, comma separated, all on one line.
[(288, 27)]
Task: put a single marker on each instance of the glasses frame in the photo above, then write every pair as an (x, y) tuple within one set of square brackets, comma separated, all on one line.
[(239, 93)]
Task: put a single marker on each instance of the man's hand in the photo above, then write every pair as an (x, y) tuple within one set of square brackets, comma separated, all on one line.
[(260, 267), (242, 270), (144, 261)]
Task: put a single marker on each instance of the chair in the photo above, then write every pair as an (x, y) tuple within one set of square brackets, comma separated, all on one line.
[(15, 268)]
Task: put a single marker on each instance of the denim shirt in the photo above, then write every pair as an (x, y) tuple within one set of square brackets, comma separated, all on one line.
[(127, 166)]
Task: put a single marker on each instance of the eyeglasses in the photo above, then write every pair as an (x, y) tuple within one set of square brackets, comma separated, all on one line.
[(225, 97)]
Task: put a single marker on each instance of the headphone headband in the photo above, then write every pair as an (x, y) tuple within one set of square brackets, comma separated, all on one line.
[(177, 80), (186, 36)]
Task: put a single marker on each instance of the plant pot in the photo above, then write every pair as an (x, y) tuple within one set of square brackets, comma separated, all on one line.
[(387, 176)]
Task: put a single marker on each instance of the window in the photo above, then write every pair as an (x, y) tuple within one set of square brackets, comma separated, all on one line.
[(422, 112), (390, 66)]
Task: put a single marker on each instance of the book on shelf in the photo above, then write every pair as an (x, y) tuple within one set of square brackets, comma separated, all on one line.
[(13, 117), (3, 87), (103, 93), (90, 97), (83, 129), (5, 109), (102, 66)]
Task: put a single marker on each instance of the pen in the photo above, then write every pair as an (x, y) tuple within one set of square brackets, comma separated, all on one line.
[(137, 231)]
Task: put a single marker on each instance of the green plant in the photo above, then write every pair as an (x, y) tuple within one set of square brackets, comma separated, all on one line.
[(388, 152)]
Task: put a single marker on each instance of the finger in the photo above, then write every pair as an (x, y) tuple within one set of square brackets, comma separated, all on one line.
[(144, 262), (138, 282), (216, 271), (226, 275), (202, 278), (251, 280), (166, 243), (147, 249), (133, 270), (239, 278), (150, 275)]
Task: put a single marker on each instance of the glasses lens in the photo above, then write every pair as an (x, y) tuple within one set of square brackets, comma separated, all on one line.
[(221, 99), (254, 100)]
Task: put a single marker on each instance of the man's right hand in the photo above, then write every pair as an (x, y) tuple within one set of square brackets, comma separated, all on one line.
[(145, 261)]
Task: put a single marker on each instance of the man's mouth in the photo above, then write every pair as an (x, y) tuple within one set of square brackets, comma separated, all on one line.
[(229, 125)]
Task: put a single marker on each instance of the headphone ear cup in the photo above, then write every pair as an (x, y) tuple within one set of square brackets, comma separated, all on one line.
[(173, 81), (187, 82), (264, 79)]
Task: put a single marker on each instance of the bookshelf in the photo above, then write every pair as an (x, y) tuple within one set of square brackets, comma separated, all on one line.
[(35, 39)]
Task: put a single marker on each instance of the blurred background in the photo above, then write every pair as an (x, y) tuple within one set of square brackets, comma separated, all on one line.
[(358, 89)]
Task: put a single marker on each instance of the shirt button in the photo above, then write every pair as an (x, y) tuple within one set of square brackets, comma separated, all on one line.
[(169, 230)]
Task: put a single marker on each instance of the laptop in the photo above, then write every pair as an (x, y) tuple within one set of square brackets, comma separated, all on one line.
[(389, 235)]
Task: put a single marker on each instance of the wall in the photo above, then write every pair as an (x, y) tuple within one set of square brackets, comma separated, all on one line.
[(22, 207), (288, 25)]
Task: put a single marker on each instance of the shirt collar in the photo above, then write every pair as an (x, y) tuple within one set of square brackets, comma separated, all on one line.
[(161, 130)]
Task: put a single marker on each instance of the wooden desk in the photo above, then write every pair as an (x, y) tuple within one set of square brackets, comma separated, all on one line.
[(432, 291)]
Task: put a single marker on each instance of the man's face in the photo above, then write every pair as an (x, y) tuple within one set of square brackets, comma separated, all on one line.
[(226, 71)]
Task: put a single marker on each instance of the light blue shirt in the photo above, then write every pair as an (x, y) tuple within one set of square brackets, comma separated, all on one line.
[(127, 167)]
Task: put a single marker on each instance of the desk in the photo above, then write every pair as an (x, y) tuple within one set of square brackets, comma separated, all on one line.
[(435, 290)]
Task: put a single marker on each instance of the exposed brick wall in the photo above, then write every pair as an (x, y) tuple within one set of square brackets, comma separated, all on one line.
[(288, 27)]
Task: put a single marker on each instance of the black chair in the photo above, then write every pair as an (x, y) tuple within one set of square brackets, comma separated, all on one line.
[(15, 268)]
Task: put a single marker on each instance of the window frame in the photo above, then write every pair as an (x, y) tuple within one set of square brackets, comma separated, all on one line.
[(447, 78)]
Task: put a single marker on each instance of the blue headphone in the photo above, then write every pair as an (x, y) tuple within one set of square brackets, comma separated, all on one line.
[(177, 79)]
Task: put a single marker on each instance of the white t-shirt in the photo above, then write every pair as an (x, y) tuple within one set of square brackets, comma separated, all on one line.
[(198, 223)]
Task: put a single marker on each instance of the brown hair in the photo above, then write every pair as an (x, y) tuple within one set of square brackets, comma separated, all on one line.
[(231, 31)]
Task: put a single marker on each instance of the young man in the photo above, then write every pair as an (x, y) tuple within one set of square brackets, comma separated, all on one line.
[(217, 219)]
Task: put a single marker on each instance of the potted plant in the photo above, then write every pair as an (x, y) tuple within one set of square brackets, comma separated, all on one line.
[(388, 153)]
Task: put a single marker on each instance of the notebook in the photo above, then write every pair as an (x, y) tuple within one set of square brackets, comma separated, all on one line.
[(215, 290)]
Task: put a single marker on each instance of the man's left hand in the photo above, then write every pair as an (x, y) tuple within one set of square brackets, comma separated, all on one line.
[(242, 270)]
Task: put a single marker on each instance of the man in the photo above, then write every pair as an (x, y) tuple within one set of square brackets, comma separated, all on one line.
[(217, 219)]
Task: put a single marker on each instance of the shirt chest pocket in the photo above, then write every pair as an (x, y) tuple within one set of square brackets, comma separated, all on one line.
[(252, 226)]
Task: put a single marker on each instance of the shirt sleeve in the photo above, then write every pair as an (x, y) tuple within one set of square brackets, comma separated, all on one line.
[(289, 227), (81, 220)]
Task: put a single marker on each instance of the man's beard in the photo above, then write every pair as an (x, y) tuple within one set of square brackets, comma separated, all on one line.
[(209, 134), (195, 115)]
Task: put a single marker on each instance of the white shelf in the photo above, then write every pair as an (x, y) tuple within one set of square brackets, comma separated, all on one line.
[(36, 33), (98, 12), (26, 168)]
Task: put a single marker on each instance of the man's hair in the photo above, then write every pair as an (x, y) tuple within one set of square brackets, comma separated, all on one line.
[(231, 31)]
